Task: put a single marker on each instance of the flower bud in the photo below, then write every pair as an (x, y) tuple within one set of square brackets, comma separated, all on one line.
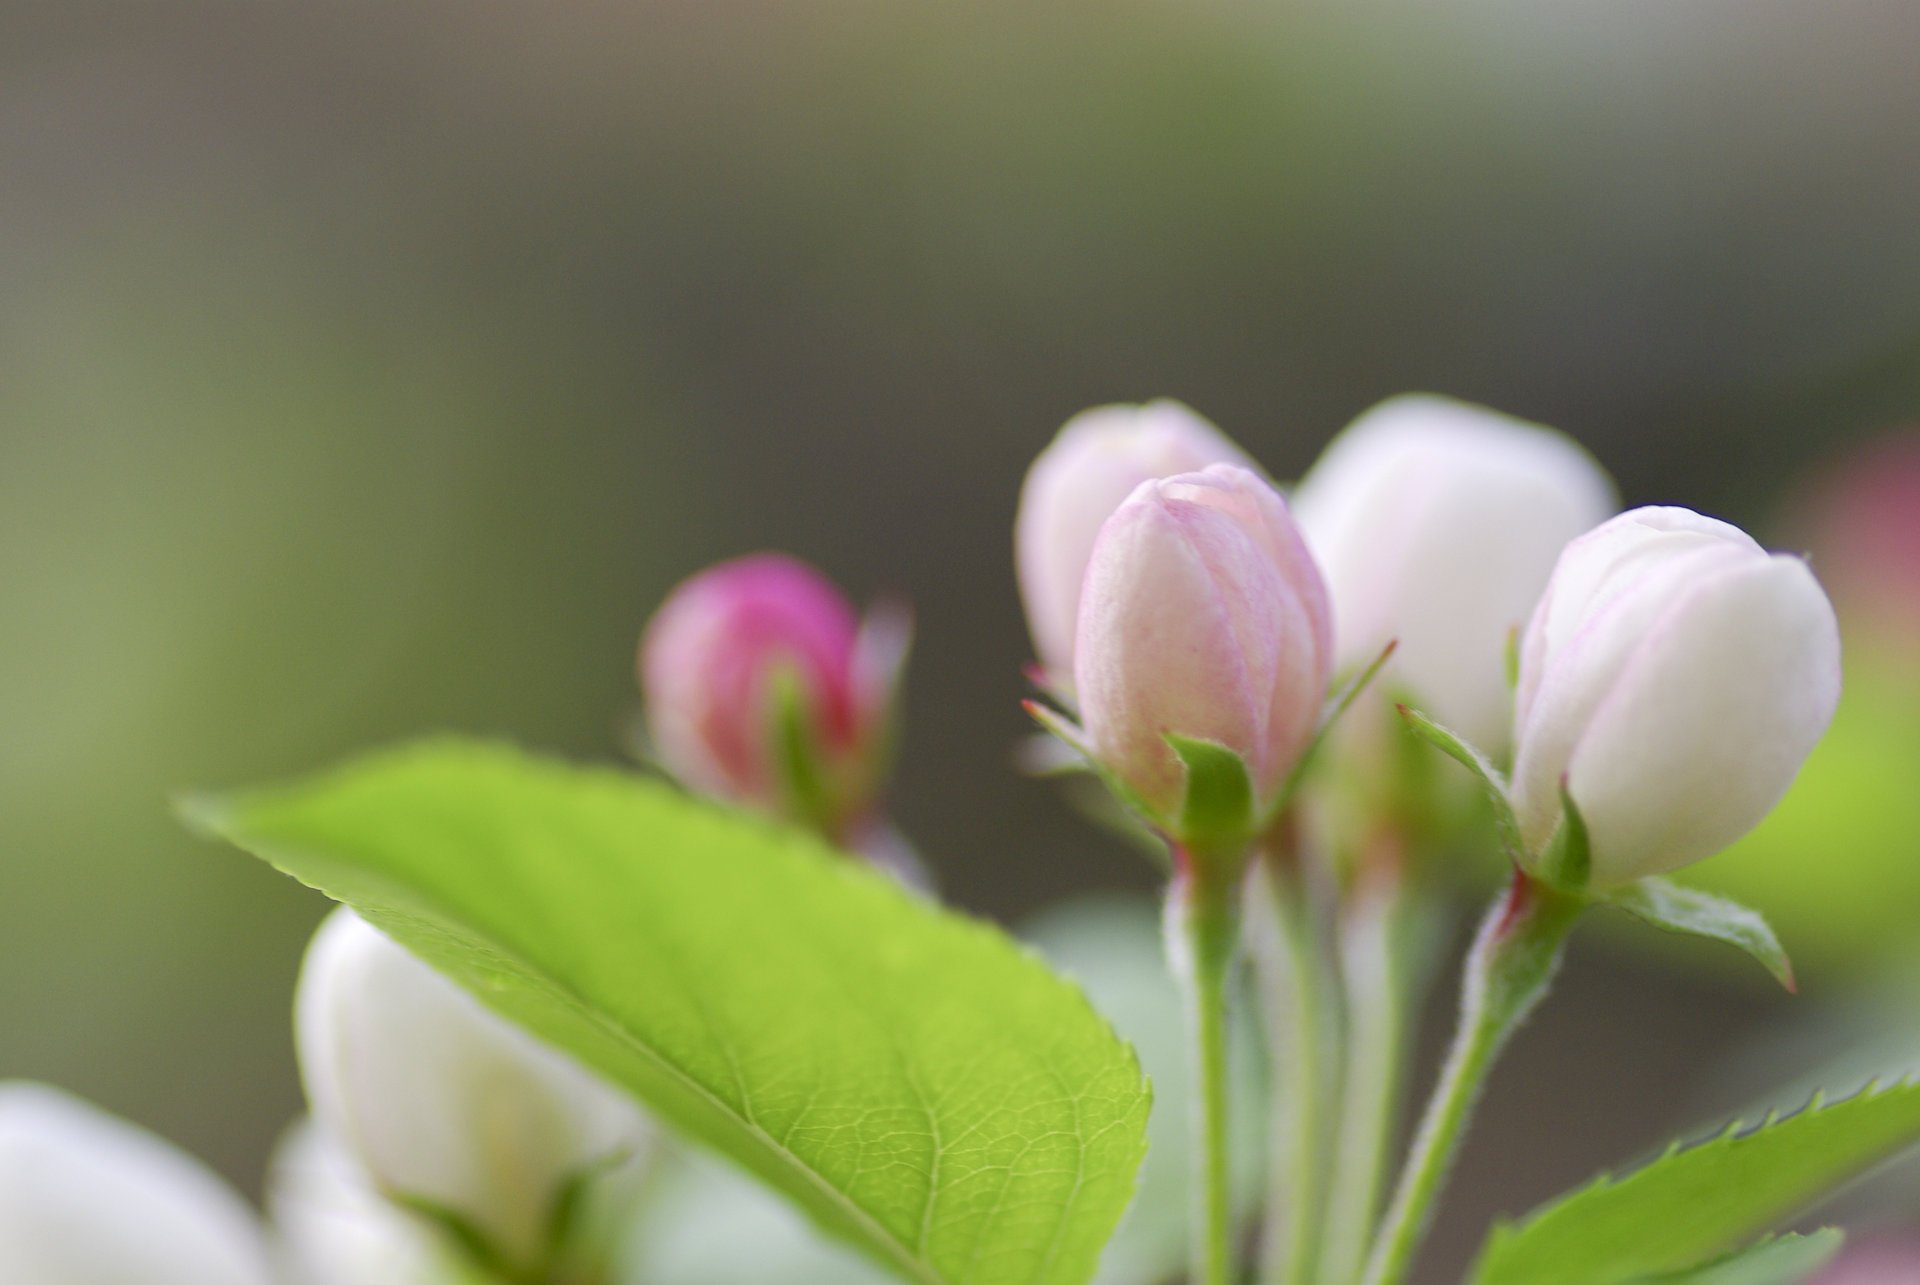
[(1204, 617), (1436, 523), (445, 1104), (334, 1228), (87, 1199), (1674, 676), (712, 667), (1092, 464)]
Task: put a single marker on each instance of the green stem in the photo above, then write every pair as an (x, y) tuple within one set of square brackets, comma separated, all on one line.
[(1297, 1017), (1508, 973), (1203, 933), (1375, 985)]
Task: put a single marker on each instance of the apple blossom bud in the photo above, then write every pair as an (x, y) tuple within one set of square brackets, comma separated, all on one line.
[(333, 1227), (712, 668), (1203, 617), (447, 1105), (1436, 524), (88, 1199), (1075, 484), (1674, 676)]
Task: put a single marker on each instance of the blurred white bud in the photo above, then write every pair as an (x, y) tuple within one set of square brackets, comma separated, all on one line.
[(88, 1199), (445, 1103), (1436, 523), (1093, 463), (1675, 675), (334, 1228), (1205, 617)]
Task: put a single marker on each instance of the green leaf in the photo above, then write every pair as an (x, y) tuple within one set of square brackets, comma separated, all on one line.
[(1218, 805), (1456, 748), (1680, 909), (1778, 1260), (920, 1085), (1691, 1204)]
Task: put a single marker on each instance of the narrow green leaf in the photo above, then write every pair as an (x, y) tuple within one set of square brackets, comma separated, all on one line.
[(915, 1081), (1680, 909), (1456, 748), (1218, 807), (1778, 1260), (1680, 1210)]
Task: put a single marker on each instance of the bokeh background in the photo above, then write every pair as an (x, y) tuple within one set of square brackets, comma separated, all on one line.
[(374, 368)]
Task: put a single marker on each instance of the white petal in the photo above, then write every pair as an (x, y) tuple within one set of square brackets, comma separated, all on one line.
[(441, 1099), (1706, 728), (1437, 523), (88, 1199), (334, 1228)]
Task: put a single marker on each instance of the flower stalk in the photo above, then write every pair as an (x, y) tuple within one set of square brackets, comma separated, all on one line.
[(1509, 971), (1203, 936)]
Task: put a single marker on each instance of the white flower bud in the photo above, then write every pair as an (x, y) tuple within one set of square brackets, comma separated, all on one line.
[(444, 1102), (1093, 463), (1436, 523), (334, 1228), (1675, 675), (88, 1199)]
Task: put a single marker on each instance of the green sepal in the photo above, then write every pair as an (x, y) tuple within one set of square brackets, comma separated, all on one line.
[(1218, 810), (1456, 748), (1069, 734), (805, 791), (1680, 909), (1567, 862), (1777, 1260), (1512, 659), (1330, 713)]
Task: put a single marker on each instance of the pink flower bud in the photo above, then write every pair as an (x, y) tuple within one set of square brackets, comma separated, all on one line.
[(1674, 676), (712, 665), (1204, 616), (1093, 464)]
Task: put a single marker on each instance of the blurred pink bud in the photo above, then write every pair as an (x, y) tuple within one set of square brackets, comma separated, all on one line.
[(1863, 523), (1203, 616), (1674, 677), (712, 666), (1883, 1260), (1091, 465)]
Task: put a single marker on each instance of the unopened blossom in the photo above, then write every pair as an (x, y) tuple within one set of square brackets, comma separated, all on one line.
[(443, 1102), (88, 1199), (1093, 463), (1205, 617), (1674, 675), (333, 1227), (1436, 524), (712, 668)]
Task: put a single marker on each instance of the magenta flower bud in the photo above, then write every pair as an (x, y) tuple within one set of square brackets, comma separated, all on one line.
[(1203, 616), (1091, 465), (734, 649)]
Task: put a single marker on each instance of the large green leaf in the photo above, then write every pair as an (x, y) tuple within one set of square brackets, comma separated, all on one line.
[(913, 1079), (1689, 1205)]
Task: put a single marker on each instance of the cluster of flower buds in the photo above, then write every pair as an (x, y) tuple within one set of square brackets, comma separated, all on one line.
[(763, 689), (1672, 679)]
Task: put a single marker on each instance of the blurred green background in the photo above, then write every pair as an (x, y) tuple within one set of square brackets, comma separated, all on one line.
[(374, 368)]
